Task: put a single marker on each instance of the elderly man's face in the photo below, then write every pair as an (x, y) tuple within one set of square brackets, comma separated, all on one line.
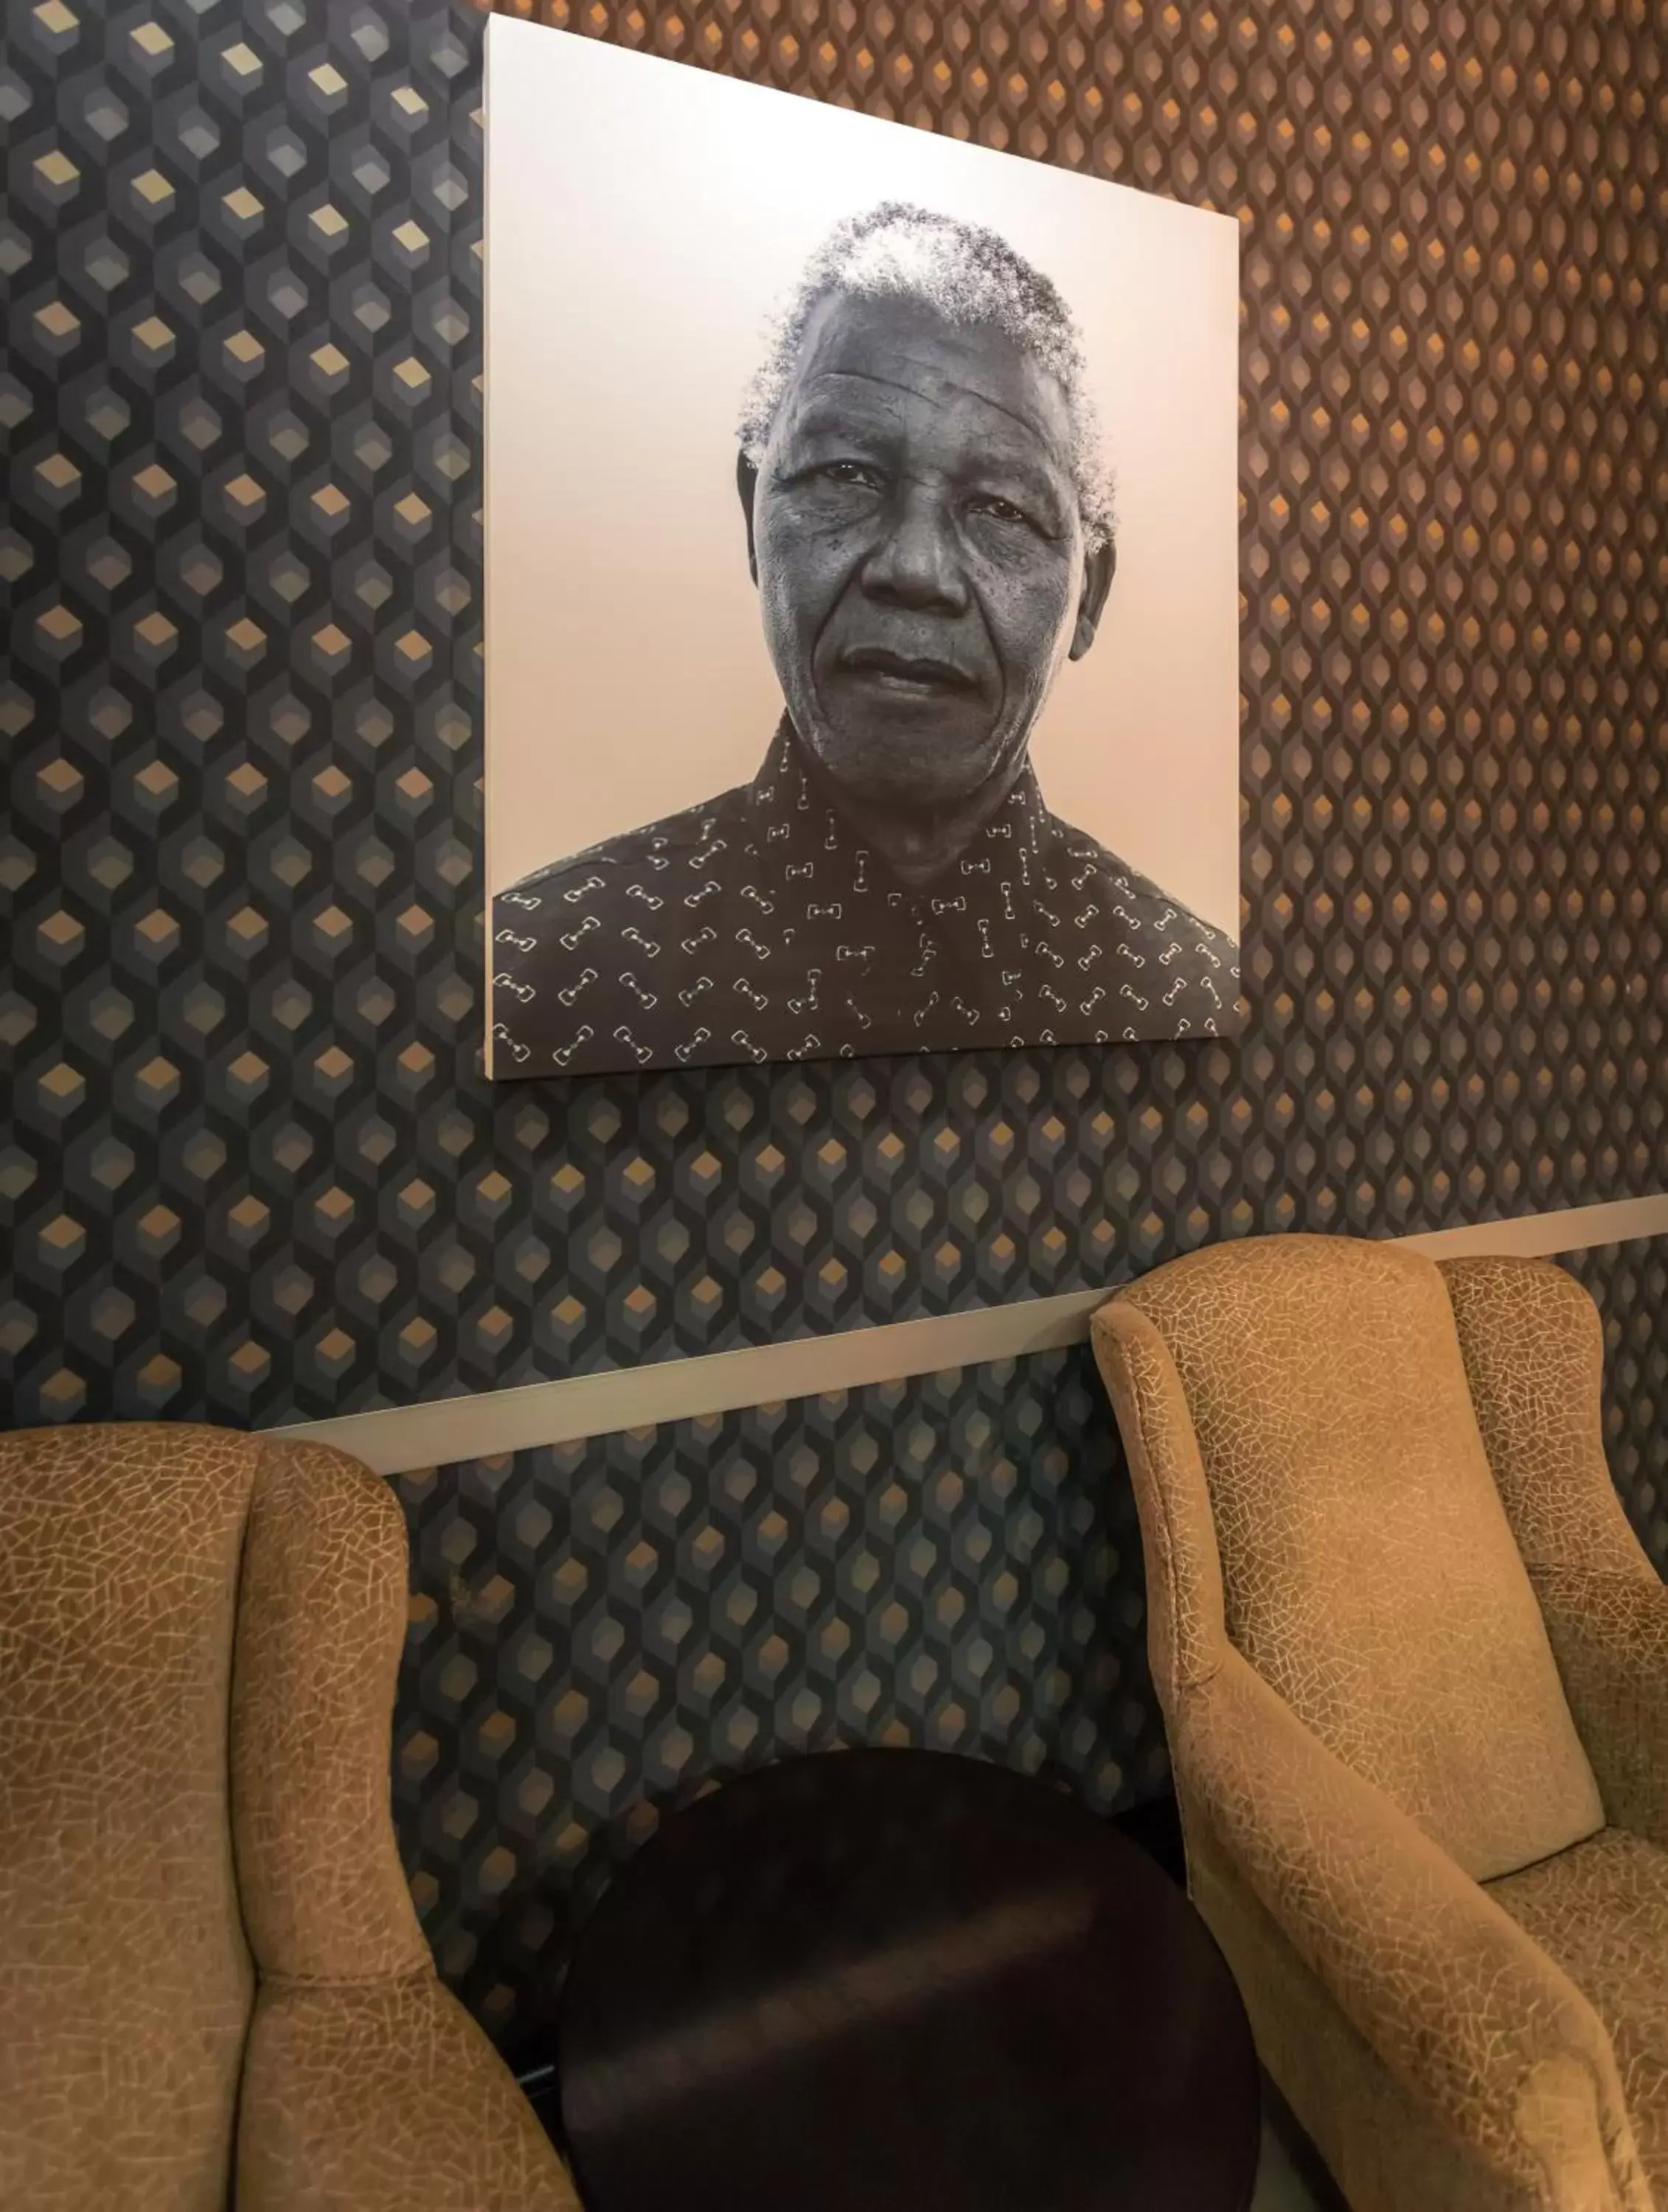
[(916, 540)]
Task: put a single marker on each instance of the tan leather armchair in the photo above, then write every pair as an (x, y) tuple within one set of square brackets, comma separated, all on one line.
[(211, 1979), (1414, 1665)]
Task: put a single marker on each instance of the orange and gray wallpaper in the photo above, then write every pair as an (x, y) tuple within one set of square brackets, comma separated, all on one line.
[(250, 1171), (599, 1630)]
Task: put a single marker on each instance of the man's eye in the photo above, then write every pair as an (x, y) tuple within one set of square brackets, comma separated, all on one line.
[(846, 472), (1001, 510)]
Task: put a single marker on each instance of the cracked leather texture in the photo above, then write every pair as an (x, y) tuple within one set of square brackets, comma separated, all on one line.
[(198, 1634), (384, 2096), (1600, 1913), (1533, 1348), (1375, 2127), (1368, 1570), (1439, 2052), (319, 1631), (1498, 2046), (1534, 1357), (1610, 1635)]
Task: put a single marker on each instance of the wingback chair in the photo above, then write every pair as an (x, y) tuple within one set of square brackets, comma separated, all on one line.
[(212, 1981), (1414, 1665)]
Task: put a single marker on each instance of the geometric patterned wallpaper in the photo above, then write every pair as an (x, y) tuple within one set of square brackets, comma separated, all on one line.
[(249, 1171), (599, 1630), (1629, 1284)]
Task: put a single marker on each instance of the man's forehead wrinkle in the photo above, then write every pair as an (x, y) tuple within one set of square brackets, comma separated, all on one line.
[(803, 396)]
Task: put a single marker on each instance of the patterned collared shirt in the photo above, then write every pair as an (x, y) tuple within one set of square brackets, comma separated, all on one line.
[(753, 928)]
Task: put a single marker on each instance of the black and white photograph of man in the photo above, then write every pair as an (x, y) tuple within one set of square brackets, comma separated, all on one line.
[(922, 503)]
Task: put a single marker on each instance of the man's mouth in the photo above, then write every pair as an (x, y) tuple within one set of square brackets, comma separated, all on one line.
[(909, 675)]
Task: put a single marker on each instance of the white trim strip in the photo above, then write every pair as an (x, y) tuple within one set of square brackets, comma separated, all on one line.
[(1543, 1236), (483, 1423)]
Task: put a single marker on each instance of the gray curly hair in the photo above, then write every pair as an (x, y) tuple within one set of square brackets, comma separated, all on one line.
[(968, 275)]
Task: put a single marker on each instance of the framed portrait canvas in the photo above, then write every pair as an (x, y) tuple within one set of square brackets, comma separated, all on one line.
[(861, 595)]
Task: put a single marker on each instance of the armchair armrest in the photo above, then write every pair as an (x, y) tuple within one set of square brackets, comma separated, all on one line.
[(1609, 1634), (1458, 2003), (385, 2096)]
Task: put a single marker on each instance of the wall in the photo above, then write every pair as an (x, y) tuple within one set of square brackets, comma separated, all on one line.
[(251, 1173), (598, 1629)]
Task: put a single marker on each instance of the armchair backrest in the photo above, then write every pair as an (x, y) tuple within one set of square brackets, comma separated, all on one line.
[(125, 1983), (1312, 1389), (321, 1622), (199, 1636), (1534, 1351)]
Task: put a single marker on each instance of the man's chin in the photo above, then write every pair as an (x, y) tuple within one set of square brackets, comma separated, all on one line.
[(923, 756)]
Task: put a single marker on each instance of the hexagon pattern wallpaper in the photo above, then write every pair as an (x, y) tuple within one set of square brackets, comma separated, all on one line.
[(251, 1170), (599, 1630)]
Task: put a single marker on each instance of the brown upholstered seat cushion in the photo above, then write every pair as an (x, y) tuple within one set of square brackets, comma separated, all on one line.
[(1369, 1574), (1600, 1912)]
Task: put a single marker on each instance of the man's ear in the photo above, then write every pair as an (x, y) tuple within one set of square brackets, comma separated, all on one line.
[(1098, 568), (746, 483)]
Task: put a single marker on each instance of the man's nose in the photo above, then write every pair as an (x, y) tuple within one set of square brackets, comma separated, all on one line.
[(917, 562)]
